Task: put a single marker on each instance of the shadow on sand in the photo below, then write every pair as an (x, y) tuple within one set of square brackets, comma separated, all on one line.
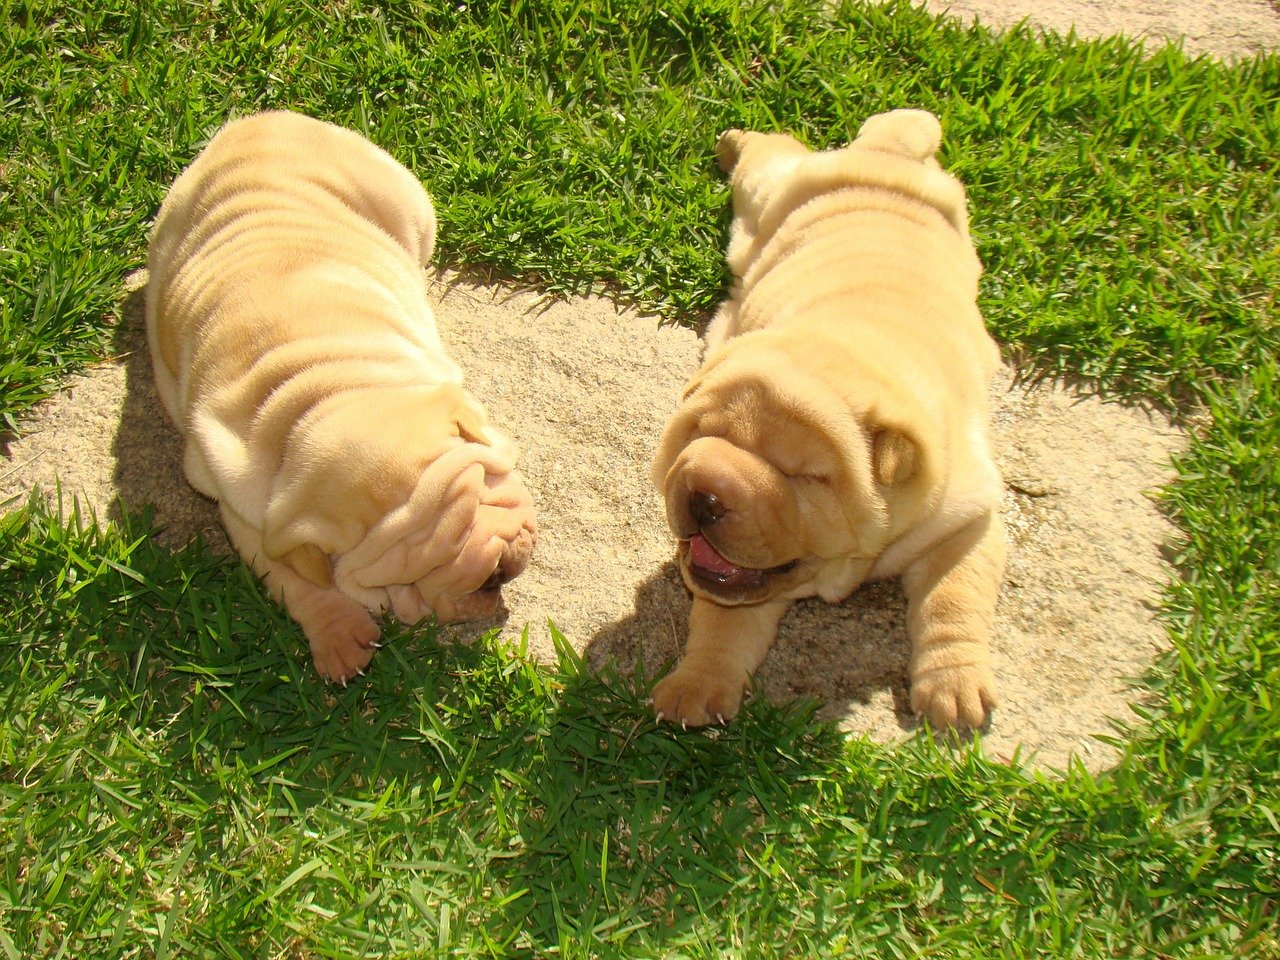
[(841, 654)]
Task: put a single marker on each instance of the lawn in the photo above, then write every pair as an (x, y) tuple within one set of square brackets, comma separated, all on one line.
[(175, 782)]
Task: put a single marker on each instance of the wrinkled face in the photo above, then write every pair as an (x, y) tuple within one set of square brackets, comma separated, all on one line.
[(425, 515), (468, 529), (764, 497), (461, 590)]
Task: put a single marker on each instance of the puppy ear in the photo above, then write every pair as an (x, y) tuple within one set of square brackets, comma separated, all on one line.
[(290, 538), (895, 457), (729, 149), (300, 521), (470, 420)]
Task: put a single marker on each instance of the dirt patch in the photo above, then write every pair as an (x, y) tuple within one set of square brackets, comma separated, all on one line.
[(597, 383), (1227, 29), (586, 386)]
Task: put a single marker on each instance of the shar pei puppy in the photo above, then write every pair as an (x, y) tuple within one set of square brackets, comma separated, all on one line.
[(296, 352), (837, 429)]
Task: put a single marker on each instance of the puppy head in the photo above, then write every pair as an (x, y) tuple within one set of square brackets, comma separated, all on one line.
[(467, 528), (783, 480), (402, 498)]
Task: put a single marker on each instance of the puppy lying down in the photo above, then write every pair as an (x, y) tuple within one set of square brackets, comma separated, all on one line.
[(837, 430), (295, 350)]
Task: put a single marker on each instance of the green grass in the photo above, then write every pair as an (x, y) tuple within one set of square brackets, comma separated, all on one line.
[(175, 783)]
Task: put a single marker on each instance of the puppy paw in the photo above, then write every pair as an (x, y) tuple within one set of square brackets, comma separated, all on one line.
[(692, 698), (954, 696), (343, 638)]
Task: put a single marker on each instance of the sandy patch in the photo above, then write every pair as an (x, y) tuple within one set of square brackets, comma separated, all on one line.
[(586, 387), (1227, 29)]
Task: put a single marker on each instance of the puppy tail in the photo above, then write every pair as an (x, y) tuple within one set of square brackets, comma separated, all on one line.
[(916, 134)]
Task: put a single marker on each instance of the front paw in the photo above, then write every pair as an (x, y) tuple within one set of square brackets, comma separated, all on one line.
[(954, 696), (343, 637), (693, 698)]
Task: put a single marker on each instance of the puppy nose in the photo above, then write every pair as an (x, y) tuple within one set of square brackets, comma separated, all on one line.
[(705, 508)]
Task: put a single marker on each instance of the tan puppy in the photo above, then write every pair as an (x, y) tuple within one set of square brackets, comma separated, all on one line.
[(837, 430), (296, 352)]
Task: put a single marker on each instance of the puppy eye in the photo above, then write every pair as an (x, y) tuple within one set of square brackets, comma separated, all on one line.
[(820, 479)]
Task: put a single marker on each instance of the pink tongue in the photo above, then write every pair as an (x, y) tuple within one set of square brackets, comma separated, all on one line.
[(702, 554)]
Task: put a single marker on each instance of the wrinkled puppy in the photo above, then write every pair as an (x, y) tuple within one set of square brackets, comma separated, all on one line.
[(837, 429), (295, 350)]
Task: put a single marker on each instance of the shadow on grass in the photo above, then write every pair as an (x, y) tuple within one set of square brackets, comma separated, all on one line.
[(634, 831), (844, 655), (196, 659), (543, 805)]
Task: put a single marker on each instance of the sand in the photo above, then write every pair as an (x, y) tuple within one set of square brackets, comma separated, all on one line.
[(1226, 29)]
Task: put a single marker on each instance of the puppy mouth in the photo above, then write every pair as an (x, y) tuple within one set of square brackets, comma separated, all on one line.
[(715, 572)]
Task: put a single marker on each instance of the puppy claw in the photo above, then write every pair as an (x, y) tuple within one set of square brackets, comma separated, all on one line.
[(721, 720), (697, 699), (659, 716), (340, 633)]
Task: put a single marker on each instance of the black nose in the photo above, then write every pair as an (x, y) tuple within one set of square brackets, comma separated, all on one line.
[(705, 508)]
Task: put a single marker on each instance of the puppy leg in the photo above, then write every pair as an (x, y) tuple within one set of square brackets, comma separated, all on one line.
[(341, 633), (951, 601), (725, 646)]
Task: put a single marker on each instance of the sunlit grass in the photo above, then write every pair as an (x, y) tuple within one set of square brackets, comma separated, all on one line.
[(175, 782)]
